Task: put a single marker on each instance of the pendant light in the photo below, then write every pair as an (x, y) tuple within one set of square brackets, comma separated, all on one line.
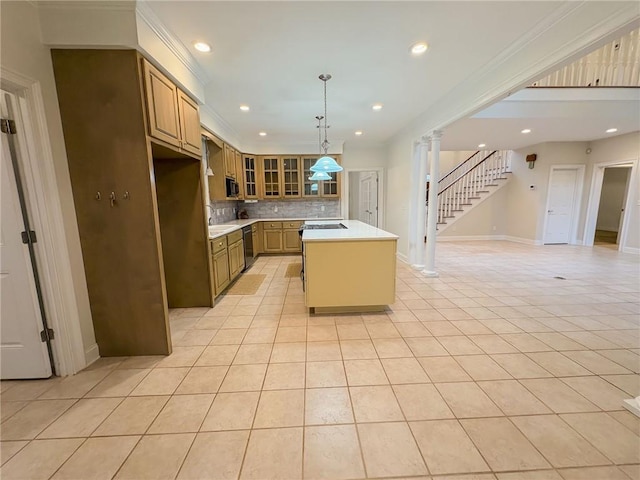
[(319, 176), (325, 163)]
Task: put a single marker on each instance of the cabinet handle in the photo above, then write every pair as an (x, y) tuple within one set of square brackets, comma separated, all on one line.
[(112, 198), (98, 196), (220, 244), (272, 224)]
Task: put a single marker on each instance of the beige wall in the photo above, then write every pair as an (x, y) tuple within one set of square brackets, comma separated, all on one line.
[(22, 52), (450, 159), (614, 185), (486, 219)]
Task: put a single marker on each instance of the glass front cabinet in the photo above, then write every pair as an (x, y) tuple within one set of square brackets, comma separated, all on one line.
[(250, 176), (290, 176), (270, 177)]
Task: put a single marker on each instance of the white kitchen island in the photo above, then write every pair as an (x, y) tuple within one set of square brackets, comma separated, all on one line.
[(348, 270)]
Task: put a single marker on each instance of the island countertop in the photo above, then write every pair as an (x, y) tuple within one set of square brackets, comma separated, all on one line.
[(222, 229), (356, 230)]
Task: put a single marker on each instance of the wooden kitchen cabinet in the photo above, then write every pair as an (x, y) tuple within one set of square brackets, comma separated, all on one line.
[(327, 188), (272, 237), (229, 161), (146, 248), (291, 176), (221, 271), (291, 240), (173, 116), (255, 240), (236, 253), (250, 176), (270, 177)]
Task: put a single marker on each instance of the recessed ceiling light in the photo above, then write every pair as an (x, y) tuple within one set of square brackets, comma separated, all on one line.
[(612, 130), (202, 47), (419, 48), (526, 130), (263, 134), (377, 107), (244, 108), (482, 145), (359, 132)]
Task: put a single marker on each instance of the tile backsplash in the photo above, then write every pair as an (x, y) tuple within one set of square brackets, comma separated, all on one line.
[(223, 211), (307, 208)]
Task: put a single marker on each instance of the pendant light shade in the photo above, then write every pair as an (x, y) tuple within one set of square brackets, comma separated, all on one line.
[(325, 163), (319, 175), (314, 187)]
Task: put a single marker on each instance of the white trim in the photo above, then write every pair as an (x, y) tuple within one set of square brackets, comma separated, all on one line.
[(402, 257), (92, 354), (181, 52), (43, 194), (480, 238), (597, 178), (631, 250), (344, 207), (577, 200)]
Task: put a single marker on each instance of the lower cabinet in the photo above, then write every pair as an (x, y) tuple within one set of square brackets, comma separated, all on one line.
[(291, 241), (221, 276), (272, 237), (236, 258), (254, 239)]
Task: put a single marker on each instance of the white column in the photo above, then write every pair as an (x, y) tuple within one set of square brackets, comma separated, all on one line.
[(413, 204), (432, 213), (421, 214)]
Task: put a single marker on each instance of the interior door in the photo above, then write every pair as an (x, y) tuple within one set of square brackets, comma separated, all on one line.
[(22, 352), (560, 205), (368, 207)]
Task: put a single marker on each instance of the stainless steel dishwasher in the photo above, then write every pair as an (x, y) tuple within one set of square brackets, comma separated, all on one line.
[(248, 247)]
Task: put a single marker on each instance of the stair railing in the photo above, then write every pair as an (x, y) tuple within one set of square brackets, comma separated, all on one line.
[(468, 185)]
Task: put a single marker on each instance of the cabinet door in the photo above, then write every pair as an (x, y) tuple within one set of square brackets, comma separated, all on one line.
[(229, 161), (233, 261), (309, 187), (254, 239), (272, 241), (250, 179), (270, 177), (162, 106), (291, 172), (240, 254), (189, 124), (221, 270), (240, 175), (331, 188), (291, 240)]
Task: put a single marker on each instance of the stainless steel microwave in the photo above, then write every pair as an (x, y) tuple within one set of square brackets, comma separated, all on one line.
[(233, 190)]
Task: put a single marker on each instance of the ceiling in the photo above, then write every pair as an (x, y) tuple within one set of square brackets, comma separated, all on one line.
[(268, 55), (552, 115)]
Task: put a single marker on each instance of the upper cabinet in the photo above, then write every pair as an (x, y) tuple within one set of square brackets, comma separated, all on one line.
[(229, 161), (250, 176), (291, 173), (173, 117), (270, 176), (326, 188)]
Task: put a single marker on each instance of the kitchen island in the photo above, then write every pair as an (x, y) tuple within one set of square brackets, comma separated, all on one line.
[(350, 269)]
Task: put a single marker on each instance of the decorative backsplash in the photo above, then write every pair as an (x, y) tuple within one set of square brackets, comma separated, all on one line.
[(223, 211), (292, 208)]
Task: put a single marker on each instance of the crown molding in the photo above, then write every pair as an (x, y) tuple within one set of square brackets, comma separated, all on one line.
[(116, 5), (182, 53), (221, 127), (626, 18)]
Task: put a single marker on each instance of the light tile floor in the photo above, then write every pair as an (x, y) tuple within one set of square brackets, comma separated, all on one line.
[(495, 370)]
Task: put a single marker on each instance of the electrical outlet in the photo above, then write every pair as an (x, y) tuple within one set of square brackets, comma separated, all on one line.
[(275, 209), (494, 228), (234, 211), (217, 211), (322, 208)]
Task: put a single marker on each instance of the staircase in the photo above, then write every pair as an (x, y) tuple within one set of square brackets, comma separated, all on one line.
[(470, 183)]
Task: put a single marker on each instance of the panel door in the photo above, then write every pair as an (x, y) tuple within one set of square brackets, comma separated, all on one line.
[(221, 270), (229, 161), (560, 205), (368, 202), (270, 177), (162, 106), (189, 124), (22, 353), (291, 241), (291, 172), (272, 241)]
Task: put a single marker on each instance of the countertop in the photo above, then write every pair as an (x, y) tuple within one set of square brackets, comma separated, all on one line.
[(356, 230), (221, 229)]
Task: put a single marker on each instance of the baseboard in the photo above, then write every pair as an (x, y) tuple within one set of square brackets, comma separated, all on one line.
[(526, 241), (402, 257), (91, 354), (469, 238), (632, 250)]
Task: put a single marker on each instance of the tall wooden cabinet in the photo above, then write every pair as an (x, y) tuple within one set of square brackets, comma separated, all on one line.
[(137, 189)]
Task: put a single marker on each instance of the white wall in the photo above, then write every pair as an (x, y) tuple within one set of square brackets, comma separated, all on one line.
[(450, 159), (354, 195), (487, 219), (618, 149), (614, 185), (23, 52)]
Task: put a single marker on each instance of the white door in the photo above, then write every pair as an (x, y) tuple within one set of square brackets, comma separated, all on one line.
[(560, 205), (22, 352), (369, 199)]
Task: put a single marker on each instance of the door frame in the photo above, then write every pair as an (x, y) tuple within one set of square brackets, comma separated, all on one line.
[(577, 201), (43, 196), (594, 201), (344, 210)]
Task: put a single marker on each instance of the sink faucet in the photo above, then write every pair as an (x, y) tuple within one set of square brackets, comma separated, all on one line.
[(210, 220)]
